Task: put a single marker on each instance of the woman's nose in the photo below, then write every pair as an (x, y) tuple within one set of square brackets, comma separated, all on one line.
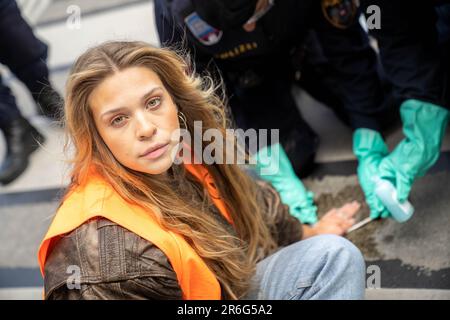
[(144, 126)]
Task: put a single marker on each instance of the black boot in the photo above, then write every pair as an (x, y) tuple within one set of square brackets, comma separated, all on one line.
[(49, 103), (21, 140), (300, 144)]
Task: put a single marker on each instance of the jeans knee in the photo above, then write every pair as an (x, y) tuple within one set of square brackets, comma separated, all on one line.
[(345, 254)]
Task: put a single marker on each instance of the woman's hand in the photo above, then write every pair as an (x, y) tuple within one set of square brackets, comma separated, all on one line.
[(336, 221)]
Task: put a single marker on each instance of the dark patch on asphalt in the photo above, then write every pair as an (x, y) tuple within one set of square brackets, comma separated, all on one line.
[(20, 277), (363, 238), (395, 274), (30, 197)]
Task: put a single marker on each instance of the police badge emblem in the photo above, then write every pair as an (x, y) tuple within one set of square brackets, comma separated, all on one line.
[(340, 13), (203, 32)]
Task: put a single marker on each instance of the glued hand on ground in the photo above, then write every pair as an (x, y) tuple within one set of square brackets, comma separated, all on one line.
[(337, 220)]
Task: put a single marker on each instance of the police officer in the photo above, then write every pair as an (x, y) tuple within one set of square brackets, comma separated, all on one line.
[(25, 56), (262, 47), (414, 42)]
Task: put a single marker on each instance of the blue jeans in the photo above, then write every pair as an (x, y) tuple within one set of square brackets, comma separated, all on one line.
[(321, 267)]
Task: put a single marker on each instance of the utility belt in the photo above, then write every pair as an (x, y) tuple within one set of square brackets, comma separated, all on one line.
[(279, 68)]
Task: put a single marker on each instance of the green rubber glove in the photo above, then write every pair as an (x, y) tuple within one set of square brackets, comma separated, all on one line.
[(273, 165), (370, 148), (424, 126)]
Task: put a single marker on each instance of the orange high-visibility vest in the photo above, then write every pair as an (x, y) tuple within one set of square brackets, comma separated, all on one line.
[(97, 198)]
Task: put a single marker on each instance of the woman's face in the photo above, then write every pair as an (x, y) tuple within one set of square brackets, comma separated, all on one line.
[(135, 116)]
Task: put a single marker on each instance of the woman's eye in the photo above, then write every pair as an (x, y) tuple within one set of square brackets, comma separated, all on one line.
[(117, 121), (153, 103)]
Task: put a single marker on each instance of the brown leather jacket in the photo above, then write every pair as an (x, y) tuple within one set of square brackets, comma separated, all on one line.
[(102, 260)]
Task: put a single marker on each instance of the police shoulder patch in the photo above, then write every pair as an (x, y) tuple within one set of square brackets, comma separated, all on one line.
[(340, 13), (203, 32)]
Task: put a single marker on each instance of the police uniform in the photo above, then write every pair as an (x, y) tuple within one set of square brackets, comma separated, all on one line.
[(414, 42), (318, 44), (23, 54)]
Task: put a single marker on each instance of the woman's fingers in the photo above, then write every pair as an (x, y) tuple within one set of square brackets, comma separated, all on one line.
[(347, 223), (338, 221), (329, 213), (349, 209), (343, 216)]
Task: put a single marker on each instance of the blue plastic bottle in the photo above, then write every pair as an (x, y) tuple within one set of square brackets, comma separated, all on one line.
[(387, 193)]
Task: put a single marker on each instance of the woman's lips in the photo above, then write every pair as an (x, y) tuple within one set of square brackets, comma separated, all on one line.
[(157, 152)]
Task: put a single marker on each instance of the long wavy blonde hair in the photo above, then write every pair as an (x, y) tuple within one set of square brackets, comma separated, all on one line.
[(231, 259)]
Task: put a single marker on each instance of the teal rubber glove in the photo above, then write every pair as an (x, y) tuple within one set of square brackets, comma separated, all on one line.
[(424, 126), (370, 148), (273, 165)]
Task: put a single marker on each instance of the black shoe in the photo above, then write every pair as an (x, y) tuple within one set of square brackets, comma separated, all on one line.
[(21, 140), (49, 103)]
